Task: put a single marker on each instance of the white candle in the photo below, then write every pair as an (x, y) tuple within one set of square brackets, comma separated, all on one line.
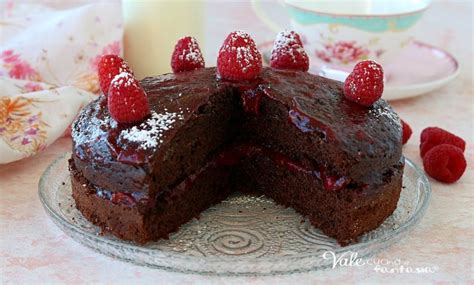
[(152, 28)]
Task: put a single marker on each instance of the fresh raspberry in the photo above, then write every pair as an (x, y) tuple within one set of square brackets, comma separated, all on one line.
[(445, 163), (127, 101), (406, 132), (288, 52), (239, 58), (365, 83), (109, 66), (186, 55), (433, 136)]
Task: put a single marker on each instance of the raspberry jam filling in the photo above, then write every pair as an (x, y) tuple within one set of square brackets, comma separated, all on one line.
[(251, 98), (235, 154), (123, 198), (232, 156)]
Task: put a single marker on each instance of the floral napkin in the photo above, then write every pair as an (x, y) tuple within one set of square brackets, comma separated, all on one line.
[(48, 60)]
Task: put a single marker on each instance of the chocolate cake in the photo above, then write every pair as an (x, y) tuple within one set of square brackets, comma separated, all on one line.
[(289, 135)]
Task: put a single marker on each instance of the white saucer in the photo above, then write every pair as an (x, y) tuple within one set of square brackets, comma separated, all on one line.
[(420, 68)]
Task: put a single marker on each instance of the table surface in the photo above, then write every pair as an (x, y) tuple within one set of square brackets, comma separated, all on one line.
[(33, 249)]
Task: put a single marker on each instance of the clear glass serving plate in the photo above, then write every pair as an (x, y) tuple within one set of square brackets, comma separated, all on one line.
[(243, 235)]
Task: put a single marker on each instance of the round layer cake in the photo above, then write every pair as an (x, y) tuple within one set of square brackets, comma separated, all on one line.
[(289, 135)]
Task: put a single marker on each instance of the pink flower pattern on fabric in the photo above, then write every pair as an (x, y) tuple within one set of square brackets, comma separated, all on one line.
[(112, 48), (20, 128), (32, 87), (18, 68), (344, 52), (40, 76)]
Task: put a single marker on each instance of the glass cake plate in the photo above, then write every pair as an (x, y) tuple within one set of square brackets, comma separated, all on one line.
[(243, 235)]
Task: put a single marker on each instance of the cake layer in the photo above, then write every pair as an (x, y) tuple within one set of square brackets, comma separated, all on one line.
[(350, 139), (343, 214), (119, 158), (140, 223), (271, 127)]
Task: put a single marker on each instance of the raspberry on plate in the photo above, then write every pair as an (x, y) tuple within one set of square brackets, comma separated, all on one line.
[(433, 136), (288, 52), (406, 132), (109, 66), (445, 163), (364, 85), (239, 58), (127, 101), (187, 55)]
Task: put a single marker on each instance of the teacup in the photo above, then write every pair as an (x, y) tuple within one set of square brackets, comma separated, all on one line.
[(340, 33)]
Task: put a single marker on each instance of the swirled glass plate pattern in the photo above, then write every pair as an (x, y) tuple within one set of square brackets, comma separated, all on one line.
[(243, 235)]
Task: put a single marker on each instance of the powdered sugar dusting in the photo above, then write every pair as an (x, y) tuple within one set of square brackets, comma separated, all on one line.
[(124, 78), (287, 43), (192, 52), (110, 61), (365, 73), (241, 44), (150, 133), (84, 128), (364, 84)]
